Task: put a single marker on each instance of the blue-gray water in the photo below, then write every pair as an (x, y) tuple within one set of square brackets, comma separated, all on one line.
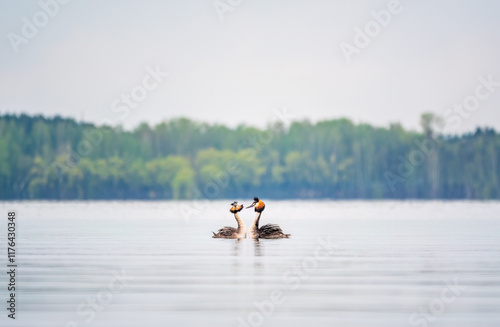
[(351, 263)]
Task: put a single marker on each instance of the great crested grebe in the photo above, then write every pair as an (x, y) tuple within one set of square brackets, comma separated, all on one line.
[(266, 231), (231, 232)]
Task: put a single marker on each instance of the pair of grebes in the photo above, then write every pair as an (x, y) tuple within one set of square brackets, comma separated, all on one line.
[(266, 231)]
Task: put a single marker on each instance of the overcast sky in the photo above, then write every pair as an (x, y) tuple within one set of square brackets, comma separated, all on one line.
[(236, 64)]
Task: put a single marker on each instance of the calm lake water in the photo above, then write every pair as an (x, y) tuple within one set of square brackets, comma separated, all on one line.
[(349, 263)]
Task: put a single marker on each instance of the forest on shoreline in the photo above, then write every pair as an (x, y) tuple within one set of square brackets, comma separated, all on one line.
[(60, 158)]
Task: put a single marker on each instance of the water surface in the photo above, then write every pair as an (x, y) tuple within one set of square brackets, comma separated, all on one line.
[(351, 263)]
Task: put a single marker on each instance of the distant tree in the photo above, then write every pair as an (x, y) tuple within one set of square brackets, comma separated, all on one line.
[(431, 124), (58, 158)]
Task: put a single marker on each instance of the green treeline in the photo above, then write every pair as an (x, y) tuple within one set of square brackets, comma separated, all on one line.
[(58, 158)]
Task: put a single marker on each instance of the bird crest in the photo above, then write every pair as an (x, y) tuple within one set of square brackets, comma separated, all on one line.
[(235, 207)]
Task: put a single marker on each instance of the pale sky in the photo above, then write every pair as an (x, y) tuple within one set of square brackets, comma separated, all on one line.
[(263, 55)]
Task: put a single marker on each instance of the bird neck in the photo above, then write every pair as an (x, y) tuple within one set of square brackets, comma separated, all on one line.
[(241, 225), (255, 224)]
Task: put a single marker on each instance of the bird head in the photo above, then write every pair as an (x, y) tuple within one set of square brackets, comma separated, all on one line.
[(258, 204), (235, 207)]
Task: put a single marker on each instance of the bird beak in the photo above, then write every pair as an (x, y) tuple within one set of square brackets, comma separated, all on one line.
[(251, 205)]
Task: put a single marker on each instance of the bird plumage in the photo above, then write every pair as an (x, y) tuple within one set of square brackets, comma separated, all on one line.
[(231, 232), (272, 231), (266, 231)]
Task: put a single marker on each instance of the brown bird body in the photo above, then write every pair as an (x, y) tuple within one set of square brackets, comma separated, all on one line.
[(231, 232), (266, 231)]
